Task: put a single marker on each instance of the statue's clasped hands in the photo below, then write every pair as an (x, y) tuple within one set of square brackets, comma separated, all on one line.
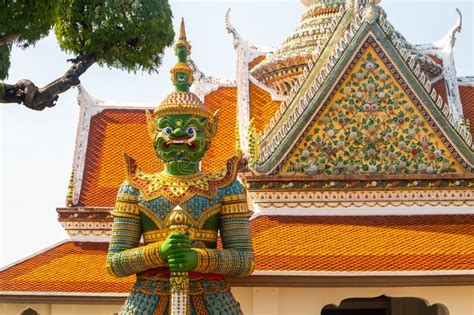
[(176, 250)]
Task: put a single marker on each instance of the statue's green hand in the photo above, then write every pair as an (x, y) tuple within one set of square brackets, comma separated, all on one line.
[(184, 261), (175, 243)]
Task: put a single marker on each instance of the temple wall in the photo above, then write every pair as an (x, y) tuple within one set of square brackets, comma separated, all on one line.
[(305, 301), (459, 300), (60, 309)]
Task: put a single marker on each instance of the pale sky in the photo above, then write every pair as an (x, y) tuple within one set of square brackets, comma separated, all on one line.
[(37, 147)]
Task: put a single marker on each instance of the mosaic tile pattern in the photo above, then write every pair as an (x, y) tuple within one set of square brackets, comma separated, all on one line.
[(371, 127)]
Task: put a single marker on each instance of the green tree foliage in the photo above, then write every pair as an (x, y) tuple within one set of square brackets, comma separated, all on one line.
[(4, 60), (23, 22), (126, 34), (123, 34)]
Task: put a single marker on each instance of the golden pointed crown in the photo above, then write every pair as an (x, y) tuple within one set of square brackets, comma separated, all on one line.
[(182, 102), (182, 41)]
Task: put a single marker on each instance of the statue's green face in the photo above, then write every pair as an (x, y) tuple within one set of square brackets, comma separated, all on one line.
[(182, 83), (181, 138)]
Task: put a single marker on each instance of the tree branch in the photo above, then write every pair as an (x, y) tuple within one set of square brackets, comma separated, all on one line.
[(7, 38), (27, 93)]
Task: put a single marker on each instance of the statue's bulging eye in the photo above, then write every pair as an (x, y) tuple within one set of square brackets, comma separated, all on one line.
[(191, 131), (167, 130)]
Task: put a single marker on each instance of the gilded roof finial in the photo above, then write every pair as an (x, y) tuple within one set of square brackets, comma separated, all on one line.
[(181, 73)]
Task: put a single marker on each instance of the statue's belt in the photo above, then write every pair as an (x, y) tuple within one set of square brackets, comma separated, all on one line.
[(165, 272), (194, 235), (155, 282)]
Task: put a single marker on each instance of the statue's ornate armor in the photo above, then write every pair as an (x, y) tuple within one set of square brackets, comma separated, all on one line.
[(217, 205)]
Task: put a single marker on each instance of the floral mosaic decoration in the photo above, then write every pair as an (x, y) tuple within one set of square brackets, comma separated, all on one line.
[(371, 127)]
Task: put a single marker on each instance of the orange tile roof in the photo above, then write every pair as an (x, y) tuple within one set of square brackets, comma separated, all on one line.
[(262, 107), (377, 243), (440, 88), (68, 267), (115, 131), (467, 100), (256, 61), (281, 243), (224, 143), (436, 59)]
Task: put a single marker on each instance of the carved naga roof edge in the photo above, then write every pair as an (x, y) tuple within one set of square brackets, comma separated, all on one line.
[(246, 52), (312, 83), (239, 41), (443, 49)]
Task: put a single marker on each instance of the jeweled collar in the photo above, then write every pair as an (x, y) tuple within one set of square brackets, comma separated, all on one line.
[(178, 189)]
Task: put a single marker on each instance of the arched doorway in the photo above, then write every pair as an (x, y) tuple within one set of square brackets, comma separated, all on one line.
[(384, 305), (29, 311)]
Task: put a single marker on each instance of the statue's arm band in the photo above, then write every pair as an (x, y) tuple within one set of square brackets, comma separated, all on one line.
[(236, 258), (125, 256)]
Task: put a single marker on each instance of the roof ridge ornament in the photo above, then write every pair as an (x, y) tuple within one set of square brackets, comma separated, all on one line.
[(239, 41), (371, 10), (246, 52), (450, 37), (444, 49)]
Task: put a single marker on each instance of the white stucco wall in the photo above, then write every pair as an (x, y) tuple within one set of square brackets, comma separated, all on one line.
[(287, 301), (60, 309), (305, 301)]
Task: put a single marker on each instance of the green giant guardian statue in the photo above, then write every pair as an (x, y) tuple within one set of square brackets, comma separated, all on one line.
[(180, 212)]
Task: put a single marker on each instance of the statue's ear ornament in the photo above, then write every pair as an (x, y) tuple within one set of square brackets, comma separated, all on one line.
[(151, 125), (212, 124)]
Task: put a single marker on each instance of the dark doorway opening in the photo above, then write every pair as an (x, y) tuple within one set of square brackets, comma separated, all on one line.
[(384, 305), (356, 312), (29, 311)]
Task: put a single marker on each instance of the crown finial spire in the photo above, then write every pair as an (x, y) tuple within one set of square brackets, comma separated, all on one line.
[(182, 48), (182, 74), (181, 101), (182, 30)]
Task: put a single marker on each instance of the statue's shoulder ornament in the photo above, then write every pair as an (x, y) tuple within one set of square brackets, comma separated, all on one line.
[(178, 189)]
